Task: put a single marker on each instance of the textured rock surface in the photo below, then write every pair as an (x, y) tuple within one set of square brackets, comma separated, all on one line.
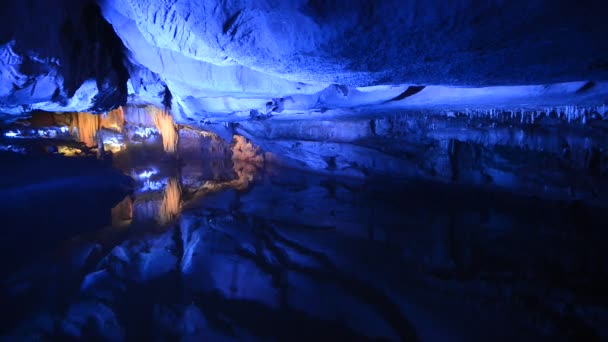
[(235, 56), (69, 60), (370, 42)]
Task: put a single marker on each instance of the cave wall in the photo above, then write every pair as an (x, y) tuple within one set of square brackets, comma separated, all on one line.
[(61, 56), (549, 157)]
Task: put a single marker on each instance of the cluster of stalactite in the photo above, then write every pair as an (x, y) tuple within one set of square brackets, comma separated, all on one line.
[(86, 125), (165, 125)]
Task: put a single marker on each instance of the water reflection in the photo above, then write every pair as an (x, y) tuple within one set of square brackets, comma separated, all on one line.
[(122, 213), (171, 204), (202, 164), (171, 165)]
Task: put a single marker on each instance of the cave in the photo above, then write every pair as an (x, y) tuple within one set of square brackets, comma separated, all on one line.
[(268, 170)]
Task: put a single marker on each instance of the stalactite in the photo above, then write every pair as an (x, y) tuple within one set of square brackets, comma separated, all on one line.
[(86, 125), (171, 204), (114, 120), (165, 125), (569, 114)]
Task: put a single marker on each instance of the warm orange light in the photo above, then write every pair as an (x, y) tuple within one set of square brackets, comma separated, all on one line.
[(114, 120), (165, 125), (87, 126), (122, 213), (246, 161), (171, 204), (69, 151)]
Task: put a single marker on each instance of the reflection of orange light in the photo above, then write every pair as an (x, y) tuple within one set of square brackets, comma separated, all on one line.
[(171, 204), (246, 161), (164, 123), (69, 151), (244, 150), (122, 212)]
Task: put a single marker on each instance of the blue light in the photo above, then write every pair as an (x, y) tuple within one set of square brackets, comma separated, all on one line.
[(11, 148), (152, 185), (145, 132), (11, 134), (147, 174)]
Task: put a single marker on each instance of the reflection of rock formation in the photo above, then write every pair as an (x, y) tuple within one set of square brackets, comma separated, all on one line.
[(164, 123), (171, 204), (246, 161), (245, 172), (244, 150)]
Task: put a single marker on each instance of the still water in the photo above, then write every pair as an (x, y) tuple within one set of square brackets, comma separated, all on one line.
[(201, 246)]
